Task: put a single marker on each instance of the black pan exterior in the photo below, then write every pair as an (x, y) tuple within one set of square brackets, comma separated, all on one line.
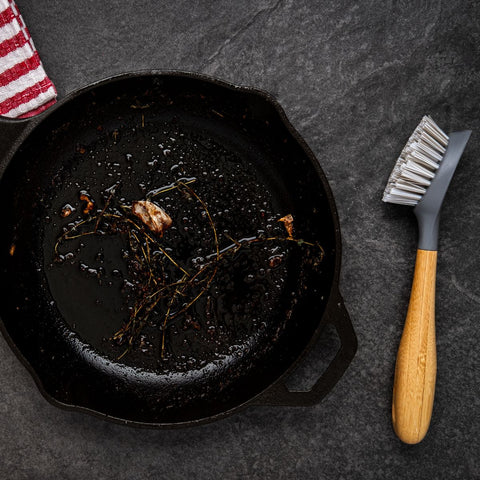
[(244, 121)]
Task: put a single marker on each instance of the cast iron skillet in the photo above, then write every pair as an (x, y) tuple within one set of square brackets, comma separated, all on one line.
[(146, 131)]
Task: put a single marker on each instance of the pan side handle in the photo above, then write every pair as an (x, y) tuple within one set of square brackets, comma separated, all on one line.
[(279, 394), (12, 133)]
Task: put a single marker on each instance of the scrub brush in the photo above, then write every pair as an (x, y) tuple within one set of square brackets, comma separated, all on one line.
[(420, 179)]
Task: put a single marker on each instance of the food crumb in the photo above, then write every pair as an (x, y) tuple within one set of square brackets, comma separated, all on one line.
[(287, 220), (275, 261), (67, 210), (85, 197)]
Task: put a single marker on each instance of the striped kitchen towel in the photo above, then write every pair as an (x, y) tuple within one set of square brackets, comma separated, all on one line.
[(25, 89)]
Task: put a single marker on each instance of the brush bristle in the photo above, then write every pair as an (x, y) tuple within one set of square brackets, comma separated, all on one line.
[(417, 164)]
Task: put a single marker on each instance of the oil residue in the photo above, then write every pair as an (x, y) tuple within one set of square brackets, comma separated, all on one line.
[(90, 278)]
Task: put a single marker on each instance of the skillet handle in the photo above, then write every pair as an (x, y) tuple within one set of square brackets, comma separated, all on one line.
[(279, 394), (12, 132)]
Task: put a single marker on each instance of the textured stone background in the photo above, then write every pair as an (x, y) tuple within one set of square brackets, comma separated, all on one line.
[(354, 79)]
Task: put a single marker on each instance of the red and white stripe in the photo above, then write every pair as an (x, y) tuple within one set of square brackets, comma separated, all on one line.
[(25, 89)]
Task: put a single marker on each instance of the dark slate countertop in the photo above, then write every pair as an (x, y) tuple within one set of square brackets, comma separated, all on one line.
[(354, 79)]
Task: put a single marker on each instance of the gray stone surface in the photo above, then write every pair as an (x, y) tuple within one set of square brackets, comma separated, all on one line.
[(354, 79)]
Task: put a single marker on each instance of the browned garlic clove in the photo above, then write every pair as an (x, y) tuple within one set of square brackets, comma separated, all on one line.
[(154, 217)]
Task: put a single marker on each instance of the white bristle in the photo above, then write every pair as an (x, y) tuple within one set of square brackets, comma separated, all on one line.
[(417, 164)]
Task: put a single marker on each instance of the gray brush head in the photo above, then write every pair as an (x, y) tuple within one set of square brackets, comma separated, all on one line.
[(422, 175), (417, 164)]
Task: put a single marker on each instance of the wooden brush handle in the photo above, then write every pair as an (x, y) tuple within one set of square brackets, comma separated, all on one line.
[(416, 367)]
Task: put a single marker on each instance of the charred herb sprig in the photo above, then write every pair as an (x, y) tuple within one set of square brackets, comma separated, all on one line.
[(178, 292)]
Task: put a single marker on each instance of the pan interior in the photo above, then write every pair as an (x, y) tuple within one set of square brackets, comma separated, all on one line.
[(227, 170)]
